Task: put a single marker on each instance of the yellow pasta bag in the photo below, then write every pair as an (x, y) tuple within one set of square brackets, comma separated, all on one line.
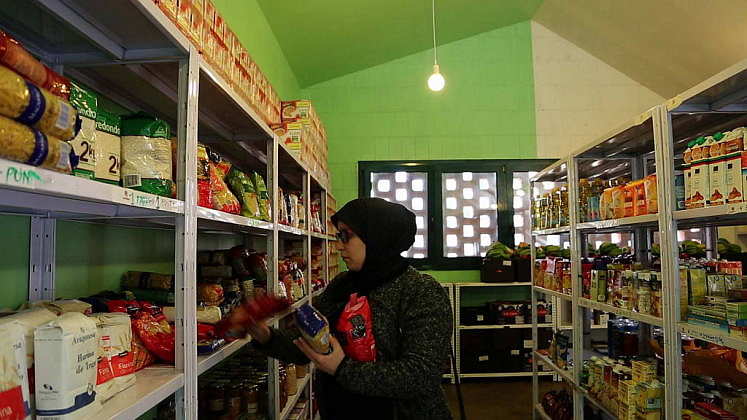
[(28, 104), (26, 145)]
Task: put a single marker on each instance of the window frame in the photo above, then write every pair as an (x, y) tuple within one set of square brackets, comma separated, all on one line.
[(503, 169)]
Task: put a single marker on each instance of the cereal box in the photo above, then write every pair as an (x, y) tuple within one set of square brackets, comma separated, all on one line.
[(716, 182)]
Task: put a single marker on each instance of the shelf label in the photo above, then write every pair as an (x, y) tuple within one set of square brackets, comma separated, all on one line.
[(14, 175), (716, 339), (146, 200), (528, 344)]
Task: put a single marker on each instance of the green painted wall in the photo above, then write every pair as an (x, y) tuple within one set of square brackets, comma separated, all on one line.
[(387, 112), (249, 23)]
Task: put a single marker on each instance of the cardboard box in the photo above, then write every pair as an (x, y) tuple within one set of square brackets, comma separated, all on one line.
[(700, 185), (108, 147), (744, 172), (168, 7), (291, 135), (292, 110), (733, 178), (716, 182), (687, 172)]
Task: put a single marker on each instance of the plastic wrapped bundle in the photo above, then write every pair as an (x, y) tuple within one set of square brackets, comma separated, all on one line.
[(36, 107), (13, 55), (146, 155)]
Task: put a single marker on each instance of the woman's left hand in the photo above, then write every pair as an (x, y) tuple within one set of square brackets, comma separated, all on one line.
[(327, 363)]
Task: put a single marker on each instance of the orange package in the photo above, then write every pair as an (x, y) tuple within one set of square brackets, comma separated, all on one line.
[(15, 57), (629, 198), (652, 198), (639, 198)]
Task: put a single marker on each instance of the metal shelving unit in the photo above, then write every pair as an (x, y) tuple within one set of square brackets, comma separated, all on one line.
[(131, 53), (654, 142)]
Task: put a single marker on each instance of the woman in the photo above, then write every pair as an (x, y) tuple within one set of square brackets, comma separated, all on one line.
[(412, 323)]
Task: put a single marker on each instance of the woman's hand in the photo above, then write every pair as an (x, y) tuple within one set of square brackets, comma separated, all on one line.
[(327, 363), (259, 331)]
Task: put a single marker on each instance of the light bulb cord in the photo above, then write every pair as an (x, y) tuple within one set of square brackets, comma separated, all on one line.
[(435, 53)]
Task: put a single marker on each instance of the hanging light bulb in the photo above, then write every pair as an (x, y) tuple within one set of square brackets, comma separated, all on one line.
[(436, 82)]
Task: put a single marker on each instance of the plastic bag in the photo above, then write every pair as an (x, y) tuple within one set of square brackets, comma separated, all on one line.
[(156, 334), (263, 197), (355, 330), (141, 357), (221, 197), (146, 155), (26, 145), (35, 107), (243, 187), (204, 198), (13, 55)]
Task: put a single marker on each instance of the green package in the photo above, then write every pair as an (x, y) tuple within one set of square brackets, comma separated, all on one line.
[(243, 187), (263, 197), (697, 288), (84, 144), (146, 154), (108, 147)]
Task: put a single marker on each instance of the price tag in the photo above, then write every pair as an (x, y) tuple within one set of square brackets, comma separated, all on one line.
[(515, 352), (480, 317), (507, 262), (146, 200), (483, 358), (528, 344)]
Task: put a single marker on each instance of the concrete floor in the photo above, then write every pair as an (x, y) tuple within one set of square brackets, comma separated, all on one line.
[(497, 400)]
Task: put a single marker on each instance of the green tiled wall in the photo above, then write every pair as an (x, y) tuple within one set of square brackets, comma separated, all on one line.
[(387, 112)]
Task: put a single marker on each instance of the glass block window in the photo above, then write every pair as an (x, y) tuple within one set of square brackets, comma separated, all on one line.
[(411, 190), (469, 210)]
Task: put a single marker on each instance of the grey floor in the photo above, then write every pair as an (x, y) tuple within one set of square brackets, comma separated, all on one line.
[(497, 400)]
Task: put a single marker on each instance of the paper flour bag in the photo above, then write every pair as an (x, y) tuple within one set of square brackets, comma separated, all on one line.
[(28, 321), (116, 367), (65, 354), (14, 388)]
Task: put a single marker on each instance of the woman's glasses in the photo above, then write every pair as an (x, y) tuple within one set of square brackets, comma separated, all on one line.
[(344, 236)]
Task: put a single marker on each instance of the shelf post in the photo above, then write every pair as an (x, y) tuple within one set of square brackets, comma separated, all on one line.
[(42, 240), (273, 365), (577, 316), (186, 235), (663, 148)]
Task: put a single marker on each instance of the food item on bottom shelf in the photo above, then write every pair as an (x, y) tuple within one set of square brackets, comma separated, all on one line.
[(84, 143), (108, 147), (146, 154), (243, 187), (314, 328), (65, 357), (147, 280), (355, 330), (15, 399), (115, 362), (36, 107), (15, 56), (558, 405), (625, 386), (26, 145)]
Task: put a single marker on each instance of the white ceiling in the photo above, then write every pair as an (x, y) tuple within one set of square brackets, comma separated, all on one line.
[(666, 45)]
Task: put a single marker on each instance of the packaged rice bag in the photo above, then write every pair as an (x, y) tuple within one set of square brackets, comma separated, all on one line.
[(84, 143), (314, 328), (14, 56), (243, 187), (15, 399), (108, 147), (27, 145), (30, 105), (146, 155), (66, 365)]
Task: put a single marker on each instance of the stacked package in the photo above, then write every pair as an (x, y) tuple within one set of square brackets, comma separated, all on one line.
[(715, 171), (204, 26), (304, 135)]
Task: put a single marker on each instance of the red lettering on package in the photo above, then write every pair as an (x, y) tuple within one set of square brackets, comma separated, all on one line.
[(11, 404)]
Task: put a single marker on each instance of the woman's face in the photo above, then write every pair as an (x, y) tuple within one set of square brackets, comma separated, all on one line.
[(353, 250)]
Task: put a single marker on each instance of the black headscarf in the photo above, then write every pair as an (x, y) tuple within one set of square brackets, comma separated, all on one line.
[(387, 229)]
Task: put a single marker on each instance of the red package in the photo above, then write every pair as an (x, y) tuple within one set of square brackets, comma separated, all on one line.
[(714, 412), (355, 330), (221, 197), (262, 307), (11, 404), (14, 56), (129, 307), (205, 331), (141, 357), (156, 334)]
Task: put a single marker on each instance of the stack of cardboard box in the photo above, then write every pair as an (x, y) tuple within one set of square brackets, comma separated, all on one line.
[(304, 135)]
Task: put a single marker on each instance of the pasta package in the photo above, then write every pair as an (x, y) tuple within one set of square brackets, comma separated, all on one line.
[(35, 107), (26, 145), (263, 197), (243, 187), (13, 55), (314, 328), (66, 365), (146, 155), (205, 314), (222, 198), (84, 143), (15, 401)]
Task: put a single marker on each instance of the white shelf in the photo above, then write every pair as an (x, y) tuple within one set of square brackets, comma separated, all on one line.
[(551, 292), (597, 404), (593, 327), (713, 336), (153, 385), (322, 236), (503, 374), (293, 399), (318, 292), (563, 373), (552, 231), (634, 221), (31, 190), (206, 362), (500, 327), (648, 319), (233, 220), (292, 230), (512, 284)]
